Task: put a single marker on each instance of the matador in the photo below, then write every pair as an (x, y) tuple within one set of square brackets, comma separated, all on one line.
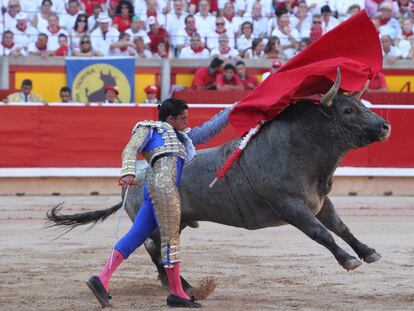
[(166, 145)]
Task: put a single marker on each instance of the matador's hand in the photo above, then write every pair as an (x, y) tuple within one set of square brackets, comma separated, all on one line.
[(127, 180)]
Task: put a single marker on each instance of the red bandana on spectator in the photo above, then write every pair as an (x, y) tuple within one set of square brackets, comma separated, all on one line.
[(383, 21), (357, 51), (315, 34), (54, 32), (230, 18), (198, 50), (61, 51), (220, 32), (21, 29), (407, 34), (191, 32), (151, 13)]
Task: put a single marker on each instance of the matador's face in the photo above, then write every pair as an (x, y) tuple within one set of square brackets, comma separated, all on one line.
[(180, 122)]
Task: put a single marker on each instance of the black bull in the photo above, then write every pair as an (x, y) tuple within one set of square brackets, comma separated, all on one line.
[(283, 177)]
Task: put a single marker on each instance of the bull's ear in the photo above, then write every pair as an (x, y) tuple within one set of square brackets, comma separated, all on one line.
[(327, 99), (358, 95)]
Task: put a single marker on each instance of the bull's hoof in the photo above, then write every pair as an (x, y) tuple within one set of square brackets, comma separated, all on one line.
[(204, 289), (351, 264), (372, 258)]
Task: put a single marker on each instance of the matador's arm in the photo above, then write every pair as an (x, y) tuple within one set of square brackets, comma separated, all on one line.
[(135, 145), (203, 133)]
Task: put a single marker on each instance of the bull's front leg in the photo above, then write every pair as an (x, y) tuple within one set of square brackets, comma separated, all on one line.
[(299, 215), (331, 220)]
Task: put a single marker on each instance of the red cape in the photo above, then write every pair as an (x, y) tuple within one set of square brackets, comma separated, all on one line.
[(354, 46)]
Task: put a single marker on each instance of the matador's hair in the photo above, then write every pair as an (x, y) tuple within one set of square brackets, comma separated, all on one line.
[(171, 107)]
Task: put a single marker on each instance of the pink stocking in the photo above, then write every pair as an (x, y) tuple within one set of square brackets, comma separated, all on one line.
[(174, 280), (110, 267)]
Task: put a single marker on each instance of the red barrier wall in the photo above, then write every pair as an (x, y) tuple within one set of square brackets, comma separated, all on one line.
[(44, 136)]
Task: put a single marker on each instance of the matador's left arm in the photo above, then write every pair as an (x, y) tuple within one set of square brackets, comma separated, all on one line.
[(203, 133)]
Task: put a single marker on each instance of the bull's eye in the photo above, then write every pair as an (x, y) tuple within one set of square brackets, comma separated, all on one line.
[(348, 110)]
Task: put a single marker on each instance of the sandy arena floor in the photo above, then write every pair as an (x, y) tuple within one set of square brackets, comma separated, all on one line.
[(270, 269)]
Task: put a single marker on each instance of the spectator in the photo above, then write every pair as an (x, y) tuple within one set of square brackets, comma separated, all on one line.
[(41, 18), (406, 39), (316, 5), (213, 36), (328, 21), (69, 18), (65, 95), (372, 7), (302, 20), (53, 31), (30, 7), (123, 16), (123, 47), (303, 43), (40, 46), (378, 84), (196, 49), (388, 24), (111, 95), (184, 34), (88, 6), (85, 48), (103, 36), (266, 9), (140, 48), (229, 80), (8, 47), (205, 77), (151, 92), (287, 35), (137, 31), (232, 21), (63, 49), (93, 19), (194, 6), (256, 51), (346, 8), (274, 49), (224, 50), (175, 23), (204, 19), (156, 34), (163, 50), (13, 8), (276, 64), (23, 32), (249, 81), (246, 38), (403, 9), (316, 30), (390, 52), (153, 11), (25, 95), (289, 5), (78, 31), (258, 20)]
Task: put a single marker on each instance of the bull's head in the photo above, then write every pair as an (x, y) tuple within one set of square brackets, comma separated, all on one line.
[(352, 120)]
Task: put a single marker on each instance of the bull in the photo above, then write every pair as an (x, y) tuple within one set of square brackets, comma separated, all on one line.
[(283, 177)]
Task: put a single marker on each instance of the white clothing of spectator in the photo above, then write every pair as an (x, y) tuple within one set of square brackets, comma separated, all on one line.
[(141, 51), (302, 19), (246, 38), (30, 7), (213, 36), (104, 36), (13, 8), (389, 51), (41, 22), (239, 5), (259, 22), (316, 5), (205, 21), (135, 31), (266, 6), (8, 47), (328, 21), (233, 21), (287, 35), (68, 19), (123, 47), (224, 50), (196, 50), (343, 6), (53, 30), (184, 34), (40, 46), (24, 33), (174, 21), (153, 10), (140, 6), (58, 6)]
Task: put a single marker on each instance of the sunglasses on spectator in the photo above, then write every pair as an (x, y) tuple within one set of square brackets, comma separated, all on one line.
[(82, 20), (317, 22), (219, 24), (83, 42)]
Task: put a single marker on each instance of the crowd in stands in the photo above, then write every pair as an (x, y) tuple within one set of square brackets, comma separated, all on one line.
[(231, 29)]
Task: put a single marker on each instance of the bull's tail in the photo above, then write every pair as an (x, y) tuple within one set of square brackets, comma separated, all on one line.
[(55, 219)]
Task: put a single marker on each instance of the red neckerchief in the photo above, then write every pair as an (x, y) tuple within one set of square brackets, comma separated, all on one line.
[(378, 1), (230, 18), (151, 14), (8, 47), (225, 51), (123, 49), (191, 32), (408, 34), (53, 32), (198, 50), (220, 32), (315, 34), (383, 21), (22, 30)]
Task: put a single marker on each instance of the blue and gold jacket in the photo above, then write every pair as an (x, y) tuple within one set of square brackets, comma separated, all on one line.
[(154, 139)]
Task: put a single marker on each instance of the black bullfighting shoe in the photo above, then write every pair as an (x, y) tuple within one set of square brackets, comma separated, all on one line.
[(97, 288), (178, 302)]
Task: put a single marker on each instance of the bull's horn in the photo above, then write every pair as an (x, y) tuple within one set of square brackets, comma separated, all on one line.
[(326, 99), (358, 95)]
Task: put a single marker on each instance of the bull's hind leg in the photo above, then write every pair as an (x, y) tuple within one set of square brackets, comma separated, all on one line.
[(331, 220), (153, 247), (299, 215)]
